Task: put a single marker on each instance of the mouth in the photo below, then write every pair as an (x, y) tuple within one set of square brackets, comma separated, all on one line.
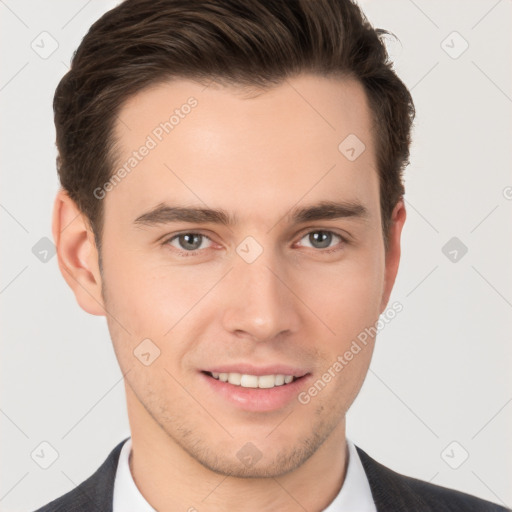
[(255, 388), (267, 392), (245, 380)]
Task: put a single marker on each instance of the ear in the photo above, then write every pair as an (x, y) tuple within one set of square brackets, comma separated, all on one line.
[(393, 251), (77, 253)]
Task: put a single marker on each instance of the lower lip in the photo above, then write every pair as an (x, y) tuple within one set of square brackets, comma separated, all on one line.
[(257, 399)]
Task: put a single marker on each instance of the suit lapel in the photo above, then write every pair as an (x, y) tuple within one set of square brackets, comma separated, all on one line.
[(96, 494), (390, 491)]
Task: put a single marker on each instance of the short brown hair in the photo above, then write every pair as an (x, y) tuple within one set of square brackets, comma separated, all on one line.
[(256, 43)]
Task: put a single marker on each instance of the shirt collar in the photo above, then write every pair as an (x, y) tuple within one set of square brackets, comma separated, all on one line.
[(127, 496), (355, 494)]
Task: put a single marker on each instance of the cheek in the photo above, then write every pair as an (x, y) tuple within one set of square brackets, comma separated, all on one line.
[(346, 295), (153, 300), (142, 310)]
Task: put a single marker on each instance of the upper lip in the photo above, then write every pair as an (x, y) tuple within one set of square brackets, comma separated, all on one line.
[(249, 369)]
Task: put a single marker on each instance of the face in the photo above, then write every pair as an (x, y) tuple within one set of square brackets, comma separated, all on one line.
[(284, 287)]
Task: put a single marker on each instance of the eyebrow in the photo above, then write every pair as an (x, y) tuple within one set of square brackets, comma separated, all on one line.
[(324, 210)]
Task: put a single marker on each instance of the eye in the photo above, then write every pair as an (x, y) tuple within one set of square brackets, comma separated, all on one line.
[(321, 239), (192, 243), (187, 243)]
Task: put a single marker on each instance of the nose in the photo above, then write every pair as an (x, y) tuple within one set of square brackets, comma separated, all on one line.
[(260, 303)]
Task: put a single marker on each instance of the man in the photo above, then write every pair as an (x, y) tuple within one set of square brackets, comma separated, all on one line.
[(233, 204)]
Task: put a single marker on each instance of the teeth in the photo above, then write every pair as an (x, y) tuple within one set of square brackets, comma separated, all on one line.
[(266, 381), (279, 380), (249, 381), (234, 378), (253, 381)]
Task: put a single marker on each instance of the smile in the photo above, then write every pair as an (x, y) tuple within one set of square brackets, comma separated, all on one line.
[(253, 381)]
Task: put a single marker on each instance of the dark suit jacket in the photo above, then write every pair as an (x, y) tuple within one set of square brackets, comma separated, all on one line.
[(391, 491)]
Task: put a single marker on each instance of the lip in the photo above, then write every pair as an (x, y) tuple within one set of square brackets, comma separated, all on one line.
[(256, 399), (249, 369)]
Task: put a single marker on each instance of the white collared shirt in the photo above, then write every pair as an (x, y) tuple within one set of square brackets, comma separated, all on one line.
[(354, 496)]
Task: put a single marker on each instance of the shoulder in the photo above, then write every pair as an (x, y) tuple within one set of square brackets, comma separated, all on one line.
[(93, 494), (396, 492)]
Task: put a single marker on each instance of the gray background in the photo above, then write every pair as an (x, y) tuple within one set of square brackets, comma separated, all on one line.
[(439, 387)]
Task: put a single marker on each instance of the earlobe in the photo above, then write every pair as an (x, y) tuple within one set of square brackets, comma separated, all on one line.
[(77, 253), (393, 253)]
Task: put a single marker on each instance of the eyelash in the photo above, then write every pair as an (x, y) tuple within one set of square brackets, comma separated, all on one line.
[(196, 252)]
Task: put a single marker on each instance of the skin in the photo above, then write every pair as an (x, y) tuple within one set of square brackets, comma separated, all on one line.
[(256, 156)]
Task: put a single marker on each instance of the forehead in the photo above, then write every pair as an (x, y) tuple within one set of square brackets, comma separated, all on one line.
[(182, 142)]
